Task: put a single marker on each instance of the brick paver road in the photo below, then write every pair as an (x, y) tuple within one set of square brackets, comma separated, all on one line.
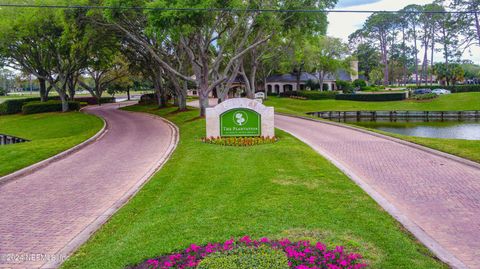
[(438, 194), (43, 211)]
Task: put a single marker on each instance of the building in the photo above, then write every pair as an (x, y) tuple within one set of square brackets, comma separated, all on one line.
[(288, 82)]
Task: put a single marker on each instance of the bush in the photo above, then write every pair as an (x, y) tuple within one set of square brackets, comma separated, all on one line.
[(3, 92), (378, 97), (93, 100), (426, 96), (453, 89), (359, 83), (369, 89), (49, 106), (317, 95), (148, 99), (310, 95), (14, 106), (246, 258), (345, 86)]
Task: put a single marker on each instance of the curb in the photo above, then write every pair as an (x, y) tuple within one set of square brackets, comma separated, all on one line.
[(410, 225), (90, 229), (36, 166), (394, 139)]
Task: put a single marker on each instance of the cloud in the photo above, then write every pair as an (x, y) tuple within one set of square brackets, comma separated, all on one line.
[(351, 3)]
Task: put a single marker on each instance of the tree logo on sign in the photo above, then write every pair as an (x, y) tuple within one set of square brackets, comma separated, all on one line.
[(240, 118)]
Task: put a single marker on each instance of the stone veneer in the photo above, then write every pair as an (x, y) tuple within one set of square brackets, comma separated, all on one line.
[(267, 115)]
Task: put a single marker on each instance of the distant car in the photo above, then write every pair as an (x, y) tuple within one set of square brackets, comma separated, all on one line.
[(441, 91), (422, 91)]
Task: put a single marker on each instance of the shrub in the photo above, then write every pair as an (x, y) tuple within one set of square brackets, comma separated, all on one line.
[(317, 95), (148, 99), (359, 83), (14, 106), (246, 258), (301, 254), (49, 106), (239, 141), (310, 95), (93, 100), (377, 97), (345, 86), (369, 88), (453, 89), (426, 96), (2, 92), (314, 85)]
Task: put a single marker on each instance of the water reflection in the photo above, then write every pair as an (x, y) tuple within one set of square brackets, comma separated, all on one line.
[(468, 129)]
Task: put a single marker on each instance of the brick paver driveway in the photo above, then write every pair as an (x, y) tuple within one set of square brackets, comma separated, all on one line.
[(42, 212), (440, 195)]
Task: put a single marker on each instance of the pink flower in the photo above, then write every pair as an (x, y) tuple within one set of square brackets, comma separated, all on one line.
[(264, 240), (320, 246), (153, 263)]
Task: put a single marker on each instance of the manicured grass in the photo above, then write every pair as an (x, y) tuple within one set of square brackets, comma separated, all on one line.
[(458, 101), (50, 134), (209, 193), (469, 149)]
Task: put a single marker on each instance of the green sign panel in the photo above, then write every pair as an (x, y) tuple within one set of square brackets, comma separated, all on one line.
[(240, 122)]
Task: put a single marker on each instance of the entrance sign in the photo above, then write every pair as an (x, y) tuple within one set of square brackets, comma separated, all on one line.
[(240, 117), (240, 122)]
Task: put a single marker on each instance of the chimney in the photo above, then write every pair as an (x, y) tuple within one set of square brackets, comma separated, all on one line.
[(354, 70)]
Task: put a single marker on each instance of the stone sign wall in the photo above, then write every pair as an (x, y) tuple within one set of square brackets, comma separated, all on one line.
[(240, 117)]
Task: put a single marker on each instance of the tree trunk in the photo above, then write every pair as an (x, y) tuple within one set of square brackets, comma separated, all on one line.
[(64, 99), (321, 79), (43, 90), (128, 94), (182, 102), (71, 84), (203, 95), (432, 55), (416, 54), (477, 24), (404, 56)]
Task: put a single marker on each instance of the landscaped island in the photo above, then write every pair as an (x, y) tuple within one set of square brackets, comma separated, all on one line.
[(49, 134), (209, 193)]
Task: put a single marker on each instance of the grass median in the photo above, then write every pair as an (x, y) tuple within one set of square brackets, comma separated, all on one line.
[(209, 193), (49, 134), (469, 149)]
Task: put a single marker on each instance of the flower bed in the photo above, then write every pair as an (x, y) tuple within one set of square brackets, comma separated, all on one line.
[(239, 141), (300, 255)]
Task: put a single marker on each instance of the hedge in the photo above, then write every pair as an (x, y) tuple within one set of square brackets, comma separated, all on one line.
[(49, 106), (453, 89), (14, 106), (379, 97), (93, 100), (310, 95)]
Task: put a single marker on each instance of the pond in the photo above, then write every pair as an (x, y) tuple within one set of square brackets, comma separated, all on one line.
[(467, 129)]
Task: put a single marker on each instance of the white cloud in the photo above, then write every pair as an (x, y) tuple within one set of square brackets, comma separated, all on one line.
[(341, 25)]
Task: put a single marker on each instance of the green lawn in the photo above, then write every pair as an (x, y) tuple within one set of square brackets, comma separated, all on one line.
[(469, 149), (458, 101), (50, 134), (211, 193)]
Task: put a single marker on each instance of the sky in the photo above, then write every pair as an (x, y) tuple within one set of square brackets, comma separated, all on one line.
[(343, 24)]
